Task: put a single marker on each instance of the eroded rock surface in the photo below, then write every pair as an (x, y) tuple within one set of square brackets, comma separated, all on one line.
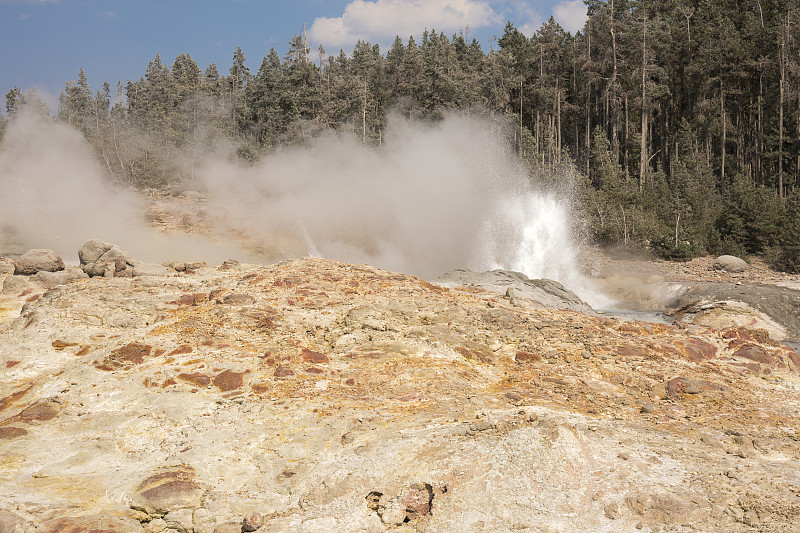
[(317, 396), (516, 287)]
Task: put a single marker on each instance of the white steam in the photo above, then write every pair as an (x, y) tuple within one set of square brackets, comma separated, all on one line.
[(432, 198), (54, 194)]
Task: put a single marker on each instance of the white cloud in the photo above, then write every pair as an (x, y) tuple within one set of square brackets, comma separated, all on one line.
[(527, 19), (381, 20), (25, 16), (571, 14)]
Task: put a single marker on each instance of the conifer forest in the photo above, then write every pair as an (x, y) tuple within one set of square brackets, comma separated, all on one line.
[(680, 119)]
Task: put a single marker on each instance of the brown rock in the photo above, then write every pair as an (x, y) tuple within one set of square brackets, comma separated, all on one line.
[(10, 432), (283, 372), (168, 491), (229, 380), (198, 378), (754, 352), (310, 356), (522, 358), (39, 411), (91, 524)]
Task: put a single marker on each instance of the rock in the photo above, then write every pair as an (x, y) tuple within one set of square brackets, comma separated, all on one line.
[(229, 527), (754, 305), (238, 299), (150, 269), (38, 260), (611, 511), (729, 263), (168, 491), (50, 280), (14, 285), (99, 258), (516, 287), (252, 522), (648, 409), (180, 520), (11, 523), (90, 524)]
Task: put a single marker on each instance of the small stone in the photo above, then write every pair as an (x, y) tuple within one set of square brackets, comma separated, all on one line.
[(252, 522), (393, 513), (611, 511), (586, 355), (648, 409), (624, 456)]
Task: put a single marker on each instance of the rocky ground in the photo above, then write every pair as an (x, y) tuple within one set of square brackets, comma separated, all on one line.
[(319, 396)]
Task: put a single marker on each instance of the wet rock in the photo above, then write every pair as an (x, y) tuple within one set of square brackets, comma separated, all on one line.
[(729, 263), (38, 260), (99, 258), (516, 286)]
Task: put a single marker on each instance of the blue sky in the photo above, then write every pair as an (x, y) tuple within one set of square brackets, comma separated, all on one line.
[(45, 42)]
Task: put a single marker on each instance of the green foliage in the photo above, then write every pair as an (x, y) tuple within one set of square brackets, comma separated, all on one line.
[(670, 109)]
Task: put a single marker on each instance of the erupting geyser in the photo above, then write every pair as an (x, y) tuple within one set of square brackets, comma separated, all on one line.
[(433, 197)]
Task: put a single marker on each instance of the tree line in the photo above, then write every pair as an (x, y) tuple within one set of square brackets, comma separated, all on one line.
[(683, 116)]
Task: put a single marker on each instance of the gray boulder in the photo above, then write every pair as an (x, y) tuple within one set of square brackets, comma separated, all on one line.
[(99, 258), (38, 260), (729, 263), (53, 279), (151, 269), (517, 287)]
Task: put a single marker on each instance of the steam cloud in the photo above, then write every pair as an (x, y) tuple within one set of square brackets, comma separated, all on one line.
[(434, 197)]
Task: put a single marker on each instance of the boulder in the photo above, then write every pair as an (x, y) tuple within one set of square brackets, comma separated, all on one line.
[(14, 285), (99, 258), (50, 280), (151, 269), (38, 260), (729, 263), (515, 287)]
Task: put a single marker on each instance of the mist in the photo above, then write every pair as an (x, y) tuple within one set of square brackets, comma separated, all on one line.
[(55, 194), (433, 197)]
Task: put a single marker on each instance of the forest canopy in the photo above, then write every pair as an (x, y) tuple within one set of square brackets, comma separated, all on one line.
[(683, 116)]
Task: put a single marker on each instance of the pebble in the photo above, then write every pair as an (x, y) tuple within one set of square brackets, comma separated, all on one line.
[(648, 408)]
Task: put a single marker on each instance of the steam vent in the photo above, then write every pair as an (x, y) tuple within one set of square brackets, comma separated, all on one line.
[(319, 396)]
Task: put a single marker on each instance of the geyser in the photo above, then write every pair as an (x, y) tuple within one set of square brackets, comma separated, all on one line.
[(433, 197)]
